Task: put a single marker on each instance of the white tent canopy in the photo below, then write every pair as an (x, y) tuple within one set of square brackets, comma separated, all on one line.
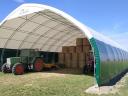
[(35, 26)]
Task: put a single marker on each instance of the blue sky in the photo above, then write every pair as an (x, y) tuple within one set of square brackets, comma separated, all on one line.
[(109, 17)]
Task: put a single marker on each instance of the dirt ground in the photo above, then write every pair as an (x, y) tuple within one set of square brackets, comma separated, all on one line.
[(37, 75)]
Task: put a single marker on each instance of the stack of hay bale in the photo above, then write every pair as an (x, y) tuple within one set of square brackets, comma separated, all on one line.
[(75, 56)]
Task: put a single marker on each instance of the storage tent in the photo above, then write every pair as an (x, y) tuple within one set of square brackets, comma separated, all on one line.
[(48, 29)]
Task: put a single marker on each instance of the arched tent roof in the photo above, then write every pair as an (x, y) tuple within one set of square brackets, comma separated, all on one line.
[(39, 26), (43, 27)]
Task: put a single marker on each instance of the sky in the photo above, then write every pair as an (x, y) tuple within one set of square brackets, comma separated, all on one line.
[(109, 17)]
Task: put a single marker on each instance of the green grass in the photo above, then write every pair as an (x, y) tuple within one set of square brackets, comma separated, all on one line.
[(48, 84)]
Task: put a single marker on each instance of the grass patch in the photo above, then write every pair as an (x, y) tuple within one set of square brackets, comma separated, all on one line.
[(48, 84)]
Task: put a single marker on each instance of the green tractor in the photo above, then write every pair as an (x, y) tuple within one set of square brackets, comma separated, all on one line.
[(29, 59)]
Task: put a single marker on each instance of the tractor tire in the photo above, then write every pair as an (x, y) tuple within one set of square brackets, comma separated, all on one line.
[(4, 68), (38, 65), (18, 69)]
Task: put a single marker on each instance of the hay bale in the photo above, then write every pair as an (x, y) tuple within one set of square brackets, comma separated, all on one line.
[(74, 62), (68, 58)]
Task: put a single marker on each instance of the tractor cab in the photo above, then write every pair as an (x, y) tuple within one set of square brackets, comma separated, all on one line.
[(28, 56)]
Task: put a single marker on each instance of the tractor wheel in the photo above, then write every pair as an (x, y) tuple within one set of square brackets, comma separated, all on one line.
[(38, 65), (4, 68), (18, 69)]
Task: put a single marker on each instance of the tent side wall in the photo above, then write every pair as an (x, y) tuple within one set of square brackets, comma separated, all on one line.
[(112, 62)]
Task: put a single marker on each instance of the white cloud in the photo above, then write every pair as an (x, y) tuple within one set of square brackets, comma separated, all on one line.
[(19, 1), (116, 26), (116, 34), (121, 38)]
